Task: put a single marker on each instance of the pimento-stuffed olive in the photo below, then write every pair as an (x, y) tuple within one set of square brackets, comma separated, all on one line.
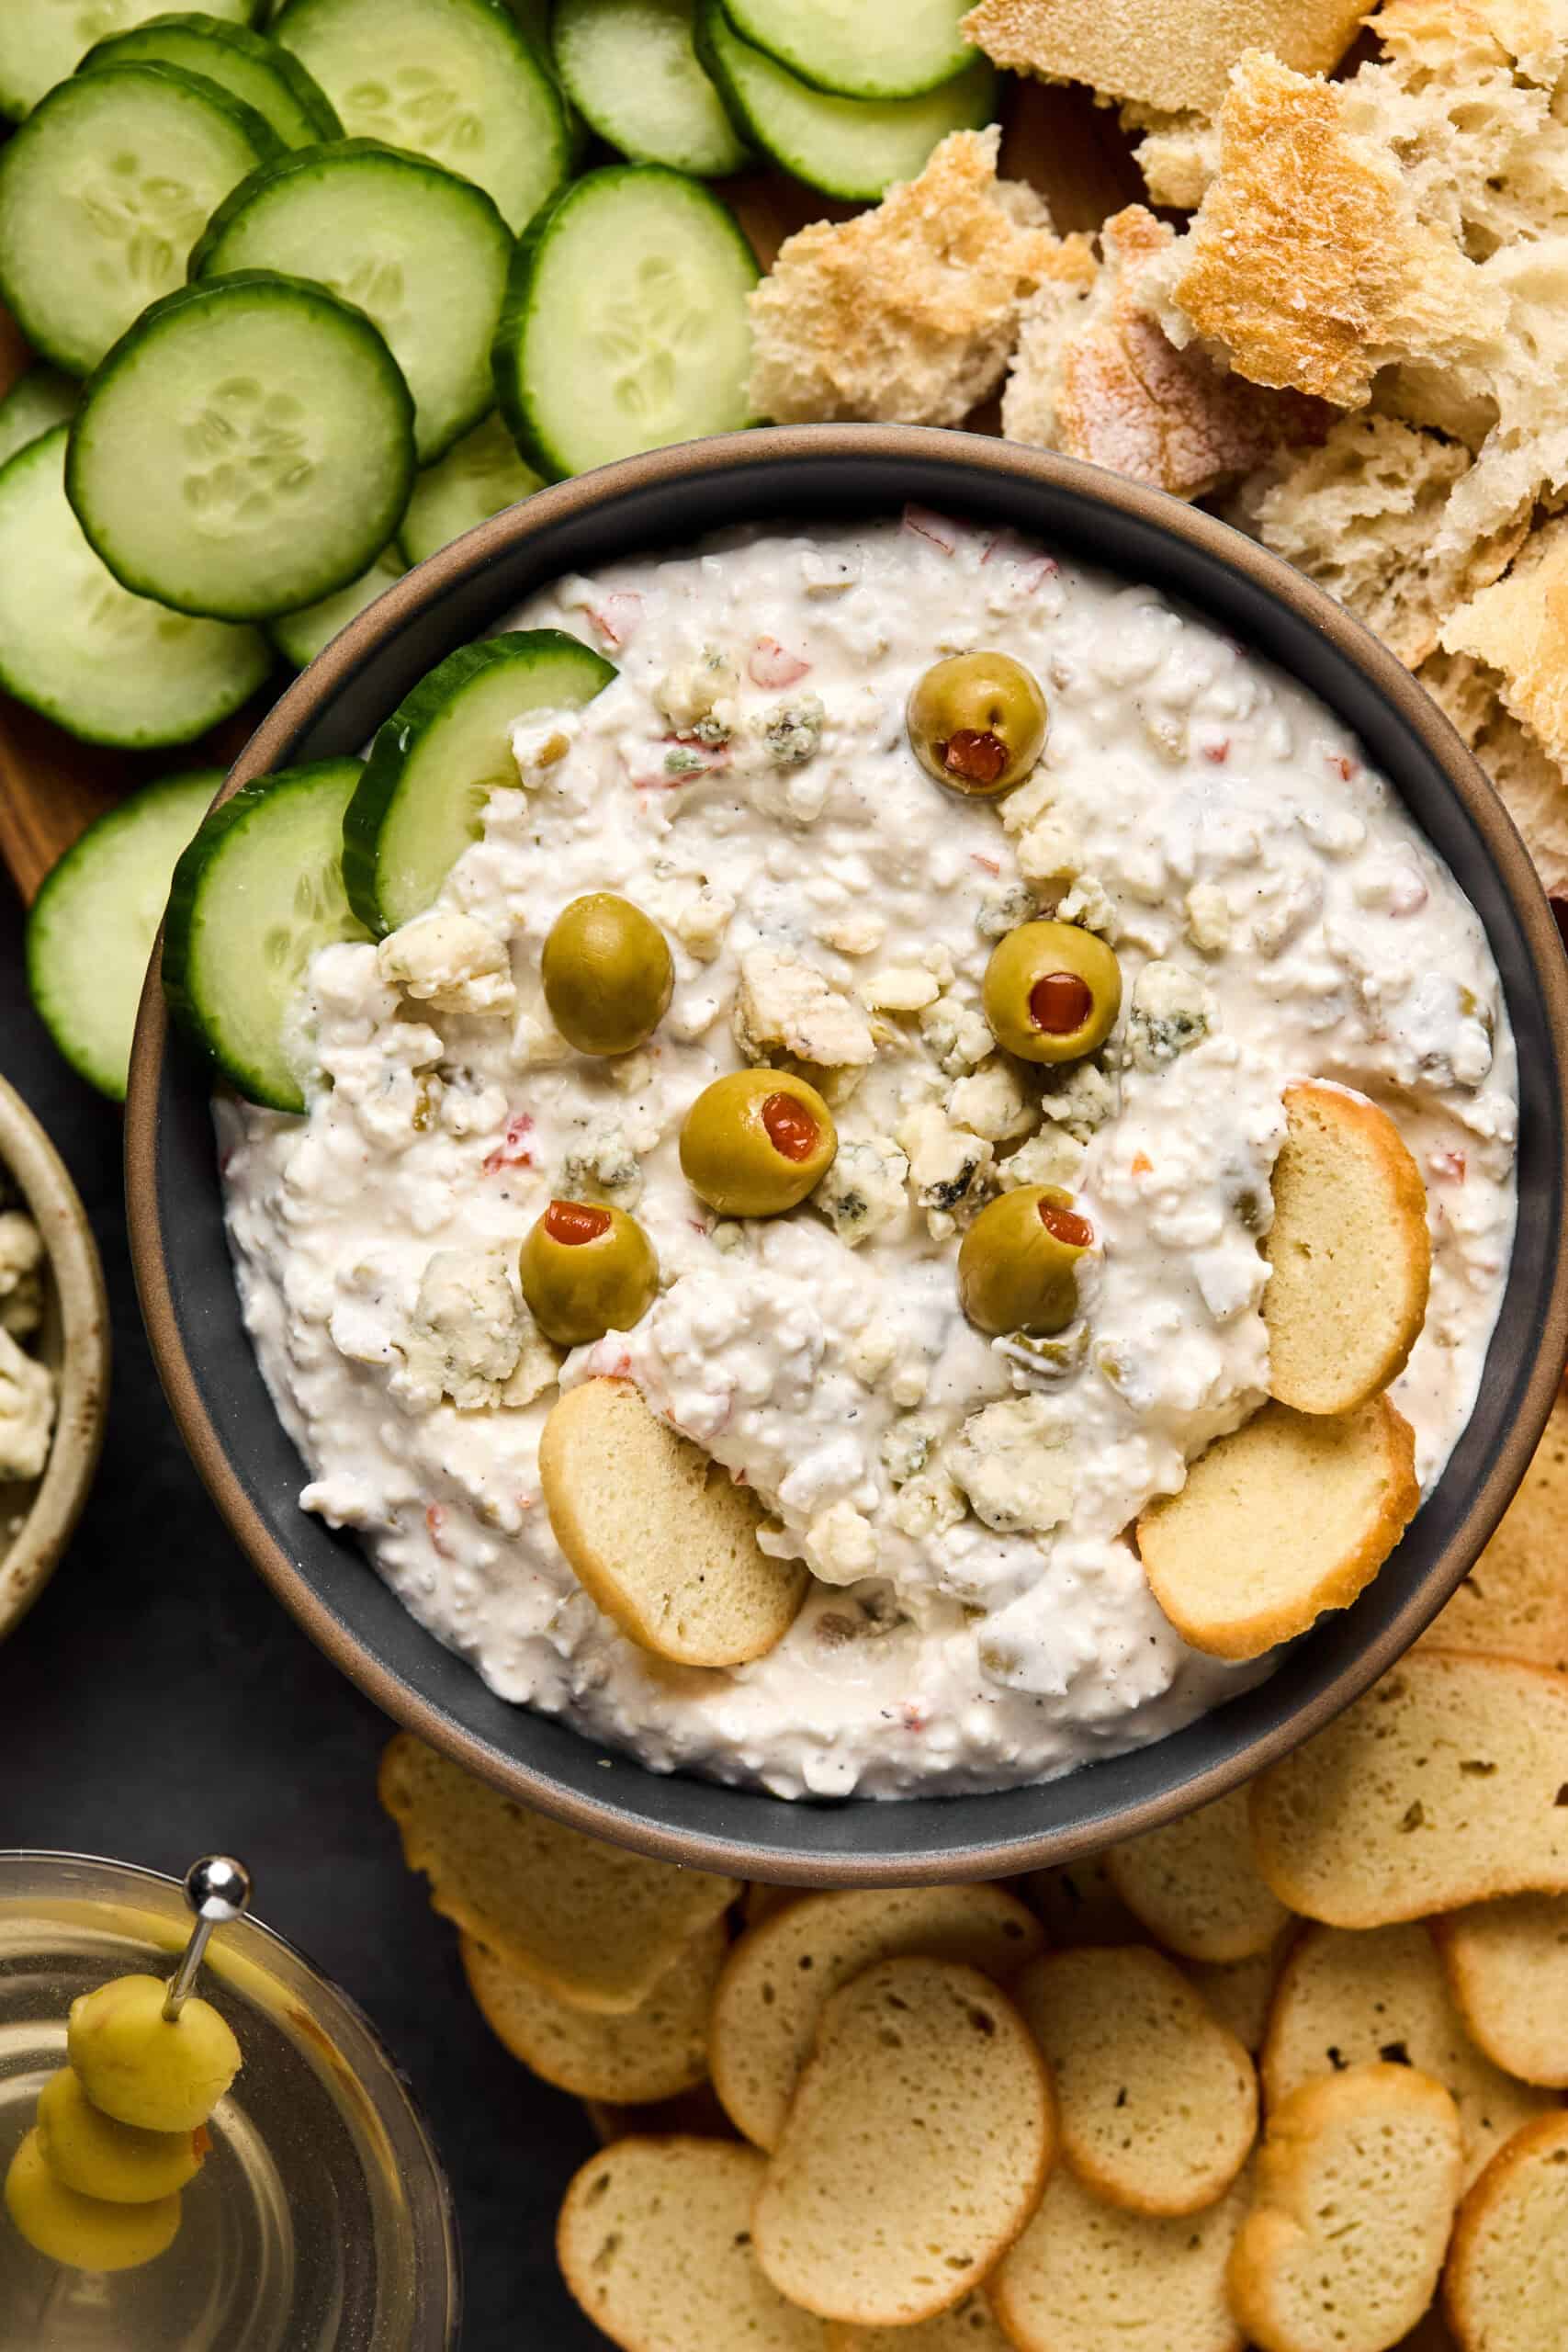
[(1018, 1262), (1052, 991), (586, 1269), (756, 1142), (977, 722)]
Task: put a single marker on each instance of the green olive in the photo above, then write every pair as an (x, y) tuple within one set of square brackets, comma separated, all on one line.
[(585, 1271), (1052, 991), (756, 1142), (607, 973), (87, 2232), (98, 2157), (160, 2073), (977, 723), (1017, 1262)]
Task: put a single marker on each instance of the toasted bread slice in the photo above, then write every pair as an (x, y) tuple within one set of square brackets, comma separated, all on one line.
[(654, 2241), (596, 1926), (1175, 59), (1291, 1515), (1087, 2277), (1077, 1904), (781, 1975), (1445, 1785), (653, 2053), (1506, 2288), (1507, 1969), (1195, 1886), (1158, 2104), (1356, 2183), (659, 1534), (1345, 2000), (1240, 1993), (969, 2327), (1514, 1602), (1350, 1255), (915, 2149)]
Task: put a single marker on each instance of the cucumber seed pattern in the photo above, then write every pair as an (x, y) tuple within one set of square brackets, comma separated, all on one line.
[(247, 449), (147, 224), (412, 107), (638, 339)]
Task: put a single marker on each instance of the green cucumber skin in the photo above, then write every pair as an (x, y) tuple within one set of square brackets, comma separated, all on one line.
[(516, 309), (120, 49), (757, 35), (194, 790), (15, 109), (399, 736), (575, 84), (262, 139), (182, 920), (188, 297), (40, 399)]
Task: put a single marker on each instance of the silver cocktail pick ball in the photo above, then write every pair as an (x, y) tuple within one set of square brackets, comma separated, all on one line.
[(218, 1890)]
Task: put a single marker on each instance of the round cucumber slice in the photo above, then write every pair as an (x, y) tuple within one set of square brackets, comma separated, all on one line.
[(456, 80), (625, 324), (255, 896), (629, 68), (91, 927), (479, 478), (246, 450), (246, 64), (300, 637), (422, 253), (853, 148), (436, 761), (41, 42), (109, 666), (103, 193), (38, 400), (860, 48)]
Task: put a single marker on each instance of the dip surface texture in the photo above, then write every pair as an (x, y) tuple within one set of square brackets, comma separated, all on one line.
[(980, 1617)]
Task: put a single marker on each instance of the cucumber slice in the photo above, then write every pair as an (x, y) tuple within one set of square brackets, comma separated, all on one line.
[(103, 193), (456, 80), (242, 62), (855, 147), (480, 477), (91, 927), (625, 324), (257, 892), (421, 252), (246, 449), (860, 48), (38, 400), (42, 42), (629, 68), (300, 637), (74, 645), (442, 753)]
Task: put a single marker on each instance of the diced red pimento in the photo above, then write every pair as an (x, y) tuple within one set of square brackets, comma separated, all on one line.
[(1342, 765), (617, 614), (915, 1715), (941, 529), (436, 1520), (1218, 751), (1449, 1165), (986, 864), (512, 1151), (774, 665), (1006, 546)]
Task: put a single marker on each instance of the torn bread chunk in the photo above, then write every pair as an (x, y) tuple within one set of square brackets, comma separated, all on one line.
[(1094, 376), (1518, 627), (1177, 153), (1531, 786), (907, 313), (1308, 265), (1360, 516), (1172, 57)]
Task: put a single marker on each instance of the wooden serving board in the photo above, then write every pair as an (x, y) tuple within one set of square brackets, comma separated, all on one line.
[(51, 787)]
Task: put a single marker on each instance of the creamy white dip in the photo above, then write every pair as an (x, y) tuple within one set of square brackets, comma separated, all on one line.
[(980, 1617)]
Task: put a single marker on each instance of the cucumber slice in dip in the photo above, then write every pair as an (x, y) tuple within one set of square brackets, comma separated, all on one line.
[(439, 757), (257, 892)]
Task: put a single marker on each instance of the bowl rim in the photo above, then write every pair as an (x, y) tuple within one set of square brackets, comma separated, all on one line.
[(603, 1815), (76, 1273)]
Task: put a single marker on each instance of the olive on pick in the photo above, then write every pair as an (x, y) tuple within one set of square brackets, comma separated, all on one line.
[(160, 2073), (1052, 991), (607, 973), (976, 722), (586, 1269), (89, 2232), (1018, 1262), (756, 1142), (92, 2154)]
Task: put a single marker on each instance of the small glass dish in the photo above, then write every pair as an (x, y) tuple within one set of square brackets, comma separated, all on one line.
[(321, 2221)]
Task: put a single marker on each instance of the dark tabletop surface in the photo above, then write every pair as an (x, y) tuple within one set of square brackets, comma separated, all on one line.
[(157, 1705)]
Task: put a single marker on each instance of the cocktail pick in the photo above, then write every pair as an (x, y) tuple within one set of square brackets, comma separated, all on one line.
[(218, 1890)]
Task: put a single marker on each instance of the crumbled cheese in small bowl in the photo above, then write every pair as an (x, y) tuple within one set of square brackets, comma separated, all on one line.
[(959, 1500), (54, 1353)]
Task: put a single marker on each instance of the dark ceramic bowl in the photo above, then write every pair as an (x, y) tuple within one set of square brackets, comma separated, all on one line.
[(204, 1359)]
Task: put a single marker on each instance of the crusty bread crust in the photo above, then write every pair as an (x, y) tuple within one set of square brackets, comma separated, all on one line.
[(652, 2052), (663, 1539), (1166, 57), (1291, 1514), (1356, 2183), (1446, 1784), (1350, 1254), (1506, 2288)]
